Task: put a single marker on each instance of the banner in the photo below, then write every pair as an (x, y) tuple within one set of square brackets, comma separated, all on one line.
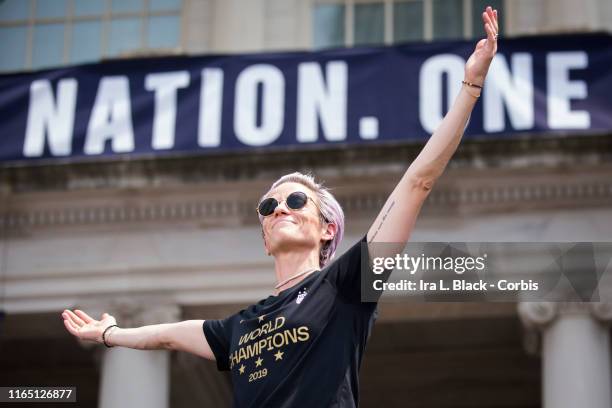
[(536, 85)]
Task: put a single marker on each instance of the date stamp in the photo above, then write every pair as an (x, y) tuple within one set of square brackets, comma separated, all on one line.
[(37, 394)]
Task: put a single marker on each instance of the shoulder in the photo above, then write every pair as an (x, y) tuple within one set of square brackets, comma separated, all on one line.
[(351, 254)]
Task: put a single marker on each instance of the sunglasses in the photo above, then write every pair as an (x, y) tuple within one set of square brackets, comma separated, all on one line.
[(295, 201)]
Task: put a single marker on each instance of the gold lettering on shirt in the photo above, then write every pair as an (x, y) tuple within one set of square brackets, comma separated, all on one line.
[(303, 333), (271, 342), (263, 330)]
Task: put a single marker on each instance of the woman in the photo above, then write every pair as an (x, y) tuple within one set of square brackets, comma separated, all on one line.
[(303, 345)]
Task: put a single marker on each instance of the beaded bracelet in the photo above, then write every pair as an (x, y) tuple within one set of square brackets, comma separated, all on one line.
[(104, 334), (471, 84)]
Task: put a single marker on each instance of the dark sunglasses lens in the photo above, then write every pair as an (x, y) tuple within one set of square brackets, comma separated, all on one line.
[(267, 206), (296, 200)]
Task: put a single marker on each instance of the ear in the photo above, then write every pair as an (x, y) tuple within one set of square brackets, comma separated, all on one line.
[(330, 232)]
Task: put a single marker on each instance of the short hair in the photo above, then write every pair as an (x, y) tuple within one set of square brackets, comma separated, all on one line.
[(331, 211)]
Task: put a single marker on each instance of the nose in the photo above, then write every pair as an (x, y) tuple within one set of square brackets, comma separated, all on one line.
[(281, 208)]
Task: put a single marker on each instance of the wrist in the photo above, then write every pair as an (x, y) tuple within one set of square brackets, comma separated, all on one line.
[(107, 333), (474, 79), (473, 89)]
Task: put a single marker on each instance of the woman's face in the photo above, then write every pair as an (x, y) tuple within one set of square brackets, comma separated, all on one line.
[(287, 229)]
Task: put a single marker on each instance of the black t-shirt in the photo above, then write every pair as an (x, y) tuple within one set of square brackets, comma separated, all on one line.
[(302, 348)]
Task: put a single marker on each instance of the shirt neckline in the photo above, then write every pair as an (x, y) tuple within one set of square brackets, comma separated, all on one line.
[(290, 289)]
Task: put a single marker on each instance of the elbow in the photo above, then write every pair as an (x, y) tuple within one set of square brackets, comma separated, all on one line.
[(163, 344), (423, 182), (164, 340)]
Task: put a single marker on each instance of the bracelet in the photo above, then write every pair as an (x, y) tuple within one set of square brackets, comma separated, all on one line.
[(471, 84), (104, 334), (478, 87)]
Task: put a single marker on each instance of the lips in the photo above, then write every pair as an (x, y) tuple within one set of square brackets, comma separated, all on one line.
[(283, 221)]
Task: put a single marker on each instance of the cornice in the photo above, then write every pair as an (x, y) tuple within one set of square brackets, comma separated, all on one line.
[(556, 193), (491, 176), (207, 209), (526, 151)]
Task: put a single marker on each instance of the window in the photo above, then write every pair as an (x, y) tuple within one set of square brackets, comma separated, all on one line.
[(369, 24), (86, 45), (124, 36), (13, 42), (14, 10), (163, 32), (83, 8), (447, 19), (47, 33), (328, 25), (48, 46), (408, 21), (376, 22), (51, 8)]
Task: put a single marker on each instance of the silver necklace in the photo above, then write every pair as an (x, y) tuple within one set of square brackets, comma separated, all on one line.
[(293, 277)]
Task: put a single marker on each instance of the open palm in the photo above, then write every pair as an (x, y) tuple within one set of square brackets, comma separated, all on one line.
[(478, 64), (83, 326)]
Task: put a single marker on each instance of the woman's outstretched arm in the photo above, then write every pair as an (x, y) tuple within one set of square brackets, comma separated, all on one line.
[(186, 336), (396, 220)]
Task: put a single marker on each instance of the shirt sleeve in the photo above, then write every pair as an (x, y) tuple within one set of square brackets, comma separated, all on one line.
[(218, 335), (344, 273)]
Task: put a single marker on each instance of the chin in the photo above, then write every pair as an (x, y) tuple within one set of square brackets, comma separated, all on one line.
[(289, 238)]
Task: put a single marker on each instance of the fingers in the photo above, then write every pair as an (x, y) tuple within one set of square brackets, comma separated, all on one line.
[(489, 16), (84, 316), (71, 327), (74, 318), (486, 18), (491, 34), (493, 17)]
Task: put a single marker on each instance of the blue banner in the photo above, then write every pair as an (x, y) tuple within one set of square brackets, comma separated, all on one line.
[(547, 84)]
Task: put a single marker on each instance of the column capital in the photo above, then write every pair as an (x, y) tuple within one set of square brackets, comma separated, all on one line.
[(602, 311), (537, 316)]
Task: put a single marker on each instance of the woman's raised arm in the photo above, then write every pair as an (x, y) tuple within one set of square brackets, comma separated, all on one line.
[(396, 220), (186, 336)]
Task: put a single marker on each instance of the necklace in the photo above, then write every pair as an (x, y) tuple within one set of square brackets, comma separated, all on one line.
[(293, 277)]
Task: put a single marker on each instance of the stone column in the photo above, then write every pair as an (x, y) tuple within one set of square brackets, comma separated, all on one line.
[(135, 378), (574, 342)]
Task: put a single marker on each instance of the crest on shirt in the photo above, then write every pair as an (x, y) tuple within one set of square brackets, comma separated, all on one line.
[(301, 295)]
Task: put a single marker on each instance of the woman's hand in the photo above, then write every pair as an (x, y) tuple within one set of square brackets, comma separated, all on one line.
[(81, 325), (478, 64)]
